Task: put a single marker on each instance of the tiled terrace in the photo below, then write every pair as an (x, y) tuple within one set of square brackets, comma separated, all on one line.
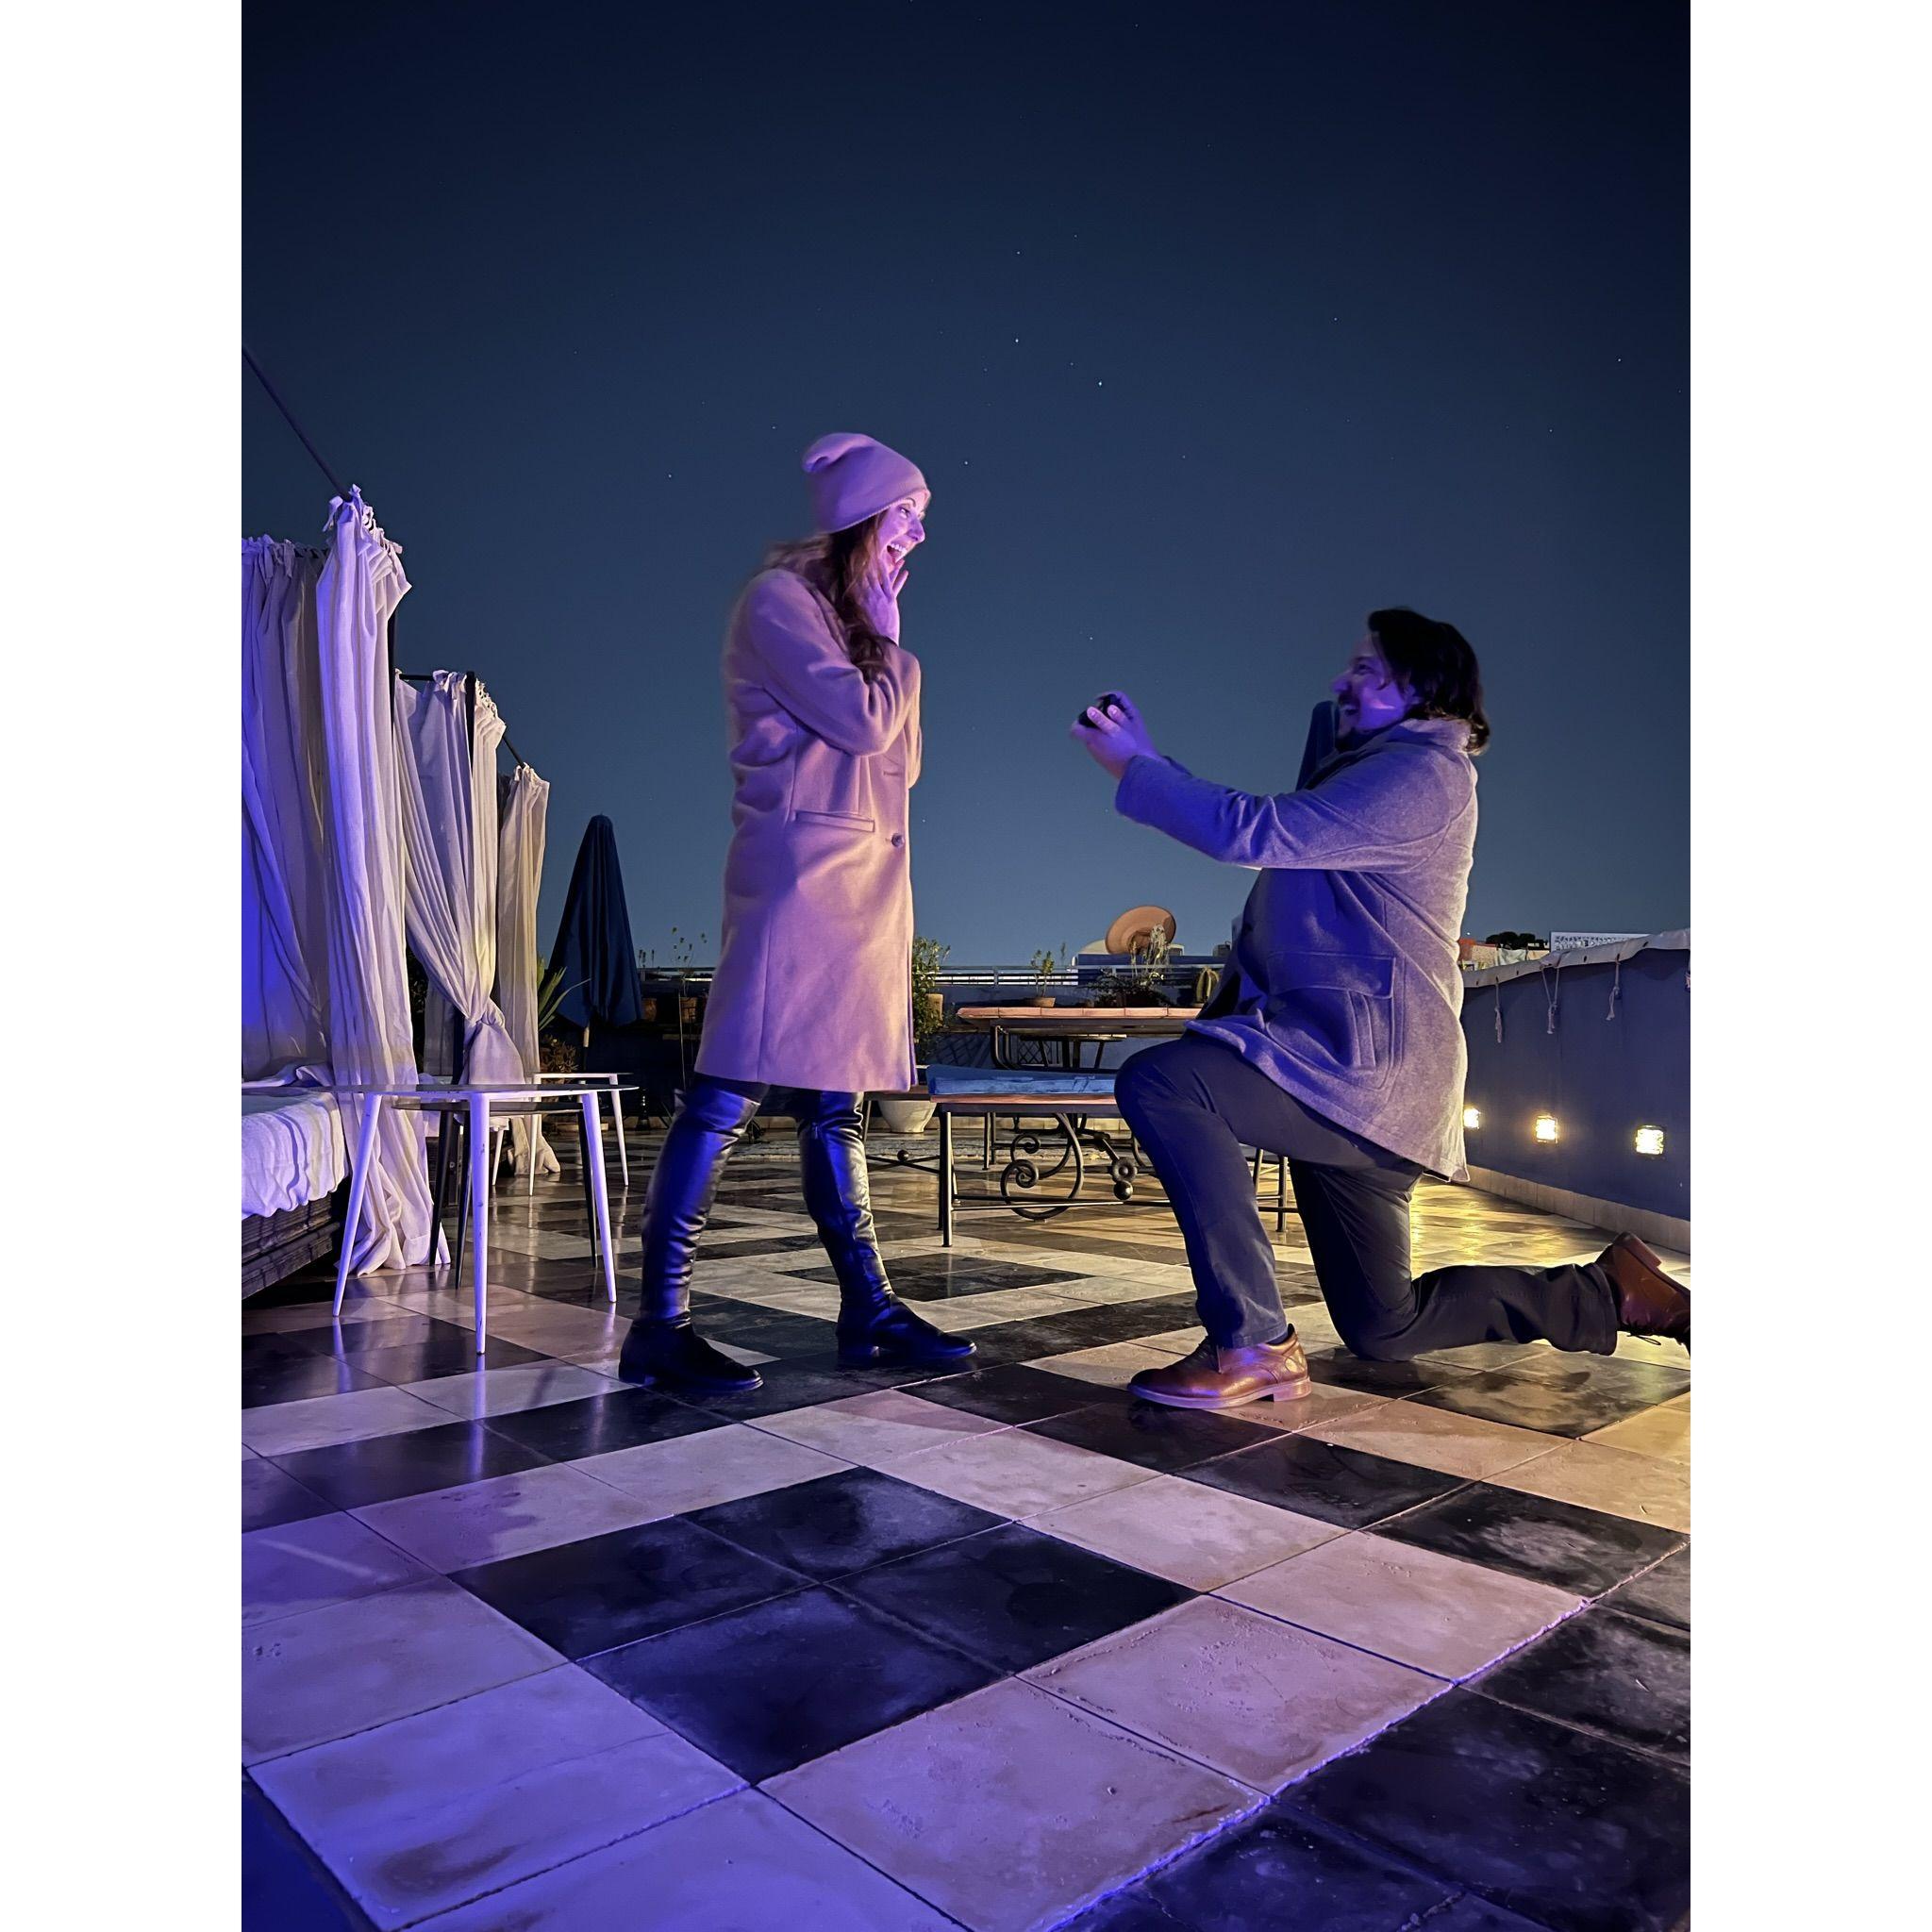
[(527, 1649)]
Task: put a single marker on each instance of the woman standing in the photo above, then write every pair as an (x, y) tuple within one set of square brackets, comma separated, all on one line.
[(813, 989), (1336, 1040)]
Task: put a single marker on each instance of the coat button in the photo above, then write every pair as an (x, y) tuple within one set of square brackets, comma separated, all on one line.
[(898, 837)]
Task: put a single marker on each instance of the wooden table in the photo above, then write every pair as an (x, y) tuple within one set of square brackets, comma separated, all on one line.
[(1061, 1032), (1069, 1028)]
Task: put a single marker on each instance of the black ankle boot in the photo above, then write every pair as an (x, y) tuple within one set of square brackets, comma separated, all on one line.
[(874, 1324), (676, 1355), (662, 1347)]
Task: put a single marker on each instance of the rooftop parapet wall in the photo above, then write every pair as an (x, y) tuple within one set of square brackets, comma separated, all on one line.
[(1599, 1042)]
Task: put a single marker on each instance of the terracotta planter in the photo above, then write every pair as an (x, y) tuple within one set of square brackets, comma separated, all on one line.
[(647, 1008), (1042, 1000), (687, 1009)]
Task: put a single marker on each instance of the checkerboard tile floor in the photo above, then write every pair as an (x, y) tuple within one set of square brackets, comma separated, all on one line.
[(525, 1648)]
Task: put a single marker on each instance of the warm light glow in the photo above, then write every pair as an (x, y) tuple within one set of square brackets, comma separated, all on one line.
[(1547, 1127), (1471, 1117), (1650, 1140)]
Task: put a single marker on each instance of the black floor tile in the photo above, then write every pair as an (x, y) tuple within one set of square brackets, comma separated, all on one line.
[(1152, 1435), (1002, 1343), (566, 1432), (1580, 1550), (1570, 1403), (297, 1378), (929, 1278), (270, 1497), (727, 1246), (1128, 1911), (310, 1287), (1616, 1675), (268, 1351), (1575, 1832), (1349, 1487), (285, 1886), (352, 1476), (783, 1385), (1278, 1862), (1643, 1383), (454, 1354), (1474, 1913), (1662, 1594), (615, 1590), (1009, 1392), (840, 1523), (589, 1294), (766, 1688), (1092, 1327), (771, 1331), (363, 1339), (345, 1340), (1013, 1596), (1341, 1370)]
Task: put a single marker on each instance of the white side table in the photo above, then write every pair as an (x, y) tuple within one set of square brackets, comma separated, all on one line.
[(613, 1083), (478, 1100)]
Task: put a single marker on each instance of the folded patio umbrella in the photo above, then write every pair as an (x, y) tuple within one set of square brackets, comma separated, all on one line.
[(592, 948)]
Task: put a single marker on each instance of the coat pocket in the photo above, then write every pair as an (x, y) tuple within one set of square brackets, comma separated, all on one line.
[(1344, 1003), (844, 821)]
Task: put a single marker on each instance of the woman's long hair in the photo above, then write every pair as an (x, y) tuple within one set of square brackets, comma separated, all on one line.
[(833, 566), (1435, 661)]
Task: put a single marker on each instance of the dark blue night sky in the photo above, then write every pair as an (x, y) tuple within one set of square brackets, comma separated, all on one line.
[(1212, 326)]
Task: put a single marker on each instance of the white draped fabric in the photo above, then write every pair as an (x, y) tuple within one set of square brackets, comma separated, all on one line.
[(519, 870), (448, 800), (284, 914), (368, 993)]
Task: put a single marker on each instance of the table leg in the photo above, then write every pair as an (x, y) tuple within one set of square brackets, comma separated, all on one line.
[(593, 1139), (945, 1179), (590, 1128), (358, 1191), (617, 1127), (479, 1208), (439, 1245), (458, 1124)]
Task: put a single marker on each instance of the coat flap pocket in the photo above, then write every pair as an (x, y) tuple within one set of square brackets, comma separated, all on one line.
[(845, 821), (1347, 971)]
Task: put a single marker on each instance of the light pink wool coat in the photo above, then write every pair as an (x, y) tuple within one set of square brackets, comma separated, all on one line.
[(814, 986)]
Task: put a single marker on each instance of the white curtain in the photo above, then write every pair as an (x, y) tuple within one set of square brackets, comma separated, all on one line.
[(284, 907), (448, 796), (519, 870), (368, 993)]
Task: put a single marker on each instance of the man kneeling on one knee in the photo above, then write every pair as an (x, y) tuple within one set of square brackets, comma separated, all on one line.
[(1336, 1039)]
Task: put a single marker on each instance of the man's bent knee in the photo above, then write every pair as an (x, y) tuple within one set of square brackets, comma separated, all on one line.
[(1374, 1340)]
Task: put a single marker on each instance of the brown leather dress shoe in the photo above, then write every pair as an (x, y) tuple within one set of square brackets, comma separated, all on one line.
[(1648, 1301), (1228, 1377)]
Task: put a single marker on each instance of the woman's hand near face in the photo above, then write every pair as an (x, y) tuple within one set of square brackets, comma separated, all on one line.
[(1116, 735), (878, 596)]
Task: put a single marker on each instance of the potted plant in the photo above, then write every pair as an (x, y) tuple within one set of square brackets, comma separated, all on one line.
[(907, 1113), (1143, 982), (681, 952), (1047, 967), (647, 1001)]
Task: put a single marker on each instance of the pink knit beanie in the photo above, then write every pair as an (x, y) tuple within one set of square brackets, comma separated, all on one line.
[(852, 477)]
